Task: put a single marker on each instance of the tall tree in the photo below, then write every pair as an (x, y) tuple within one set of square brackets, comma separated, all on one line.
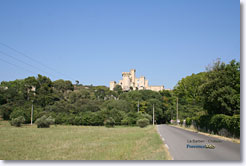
[(190, 98), (221, 89)]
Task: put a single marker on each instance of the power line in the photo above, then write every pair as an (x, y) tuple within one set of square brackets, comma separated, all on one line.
[(3, 53), (17, 66), (34, 60)]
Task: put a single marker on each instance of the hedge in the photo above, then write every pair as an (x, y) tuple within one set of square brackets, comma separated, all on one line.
[(218, 123), (188, 122), (110, 122)]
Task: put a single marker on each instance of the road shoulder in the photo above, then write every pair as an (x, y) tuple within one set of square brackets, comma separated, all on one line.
[(165, 146), (233, 140)]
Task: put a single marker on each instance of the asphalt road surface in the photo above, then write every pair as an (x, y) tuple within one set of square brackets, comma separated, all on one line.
[(187, 145)]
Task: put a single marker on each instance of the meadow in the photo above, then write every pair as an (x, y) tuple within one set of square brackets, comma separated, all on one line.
[(67, 142)]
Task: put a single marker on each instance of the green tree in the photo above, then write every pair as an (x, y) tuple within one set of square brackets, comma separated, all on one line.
[(118, 89), (221, 89), (63, 86), (189, 95)]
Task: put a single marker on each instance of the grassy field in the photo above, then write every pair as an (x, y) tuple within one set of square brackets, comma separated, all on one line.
[(80, 143)]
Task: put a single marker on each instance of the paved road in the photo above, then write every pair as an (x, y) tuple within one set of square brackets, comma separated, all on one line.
[(177, 140)]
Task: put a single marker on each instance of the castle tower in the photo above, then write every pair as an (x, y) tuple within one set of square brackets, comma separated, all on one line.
[(126, 81), (112, 84), (141, 83), (133, 78)]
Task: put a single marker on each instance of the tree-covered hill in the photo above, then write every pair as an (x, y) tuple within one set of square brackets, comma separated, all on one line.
[(206, 98)]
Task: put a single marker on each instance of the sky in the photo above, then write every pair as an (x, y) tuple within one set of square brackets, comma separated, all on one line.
[(94, 41)]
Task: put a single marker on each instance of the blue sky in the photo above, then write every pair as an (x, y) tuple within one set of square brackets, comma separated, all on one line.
[(93, 41)]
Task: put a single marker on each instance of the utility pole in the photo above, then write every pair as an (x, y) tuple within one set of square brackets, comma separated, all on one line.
[(153, 114), (172, 114), (32, 112), (177, 110), (138, 106)]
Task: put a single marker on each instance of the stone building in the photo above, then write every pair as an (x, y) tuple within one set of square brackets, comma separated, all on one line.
[(129, 81)]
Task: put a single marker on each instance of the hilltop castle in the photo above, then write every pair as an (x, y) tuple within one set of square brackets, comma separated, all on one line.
[(129, 81)]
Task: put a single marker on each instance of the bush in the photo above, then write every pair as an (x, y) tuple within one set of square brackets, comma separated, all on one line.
[(219, 122), (114, 113), (145, 115), (130, 118), (124, 121), (128, 121), (78, 120), (202, 122), (181, 122), (143, 122), (91, 119), (44, 122), (188, 122), (17, 121), (234, 125), (17, 113), (109, 122)]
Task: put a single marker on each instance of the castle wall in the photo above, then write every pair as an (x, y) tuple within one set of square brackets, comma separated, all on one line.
[(112, 84), (156, 88), (146, 83)]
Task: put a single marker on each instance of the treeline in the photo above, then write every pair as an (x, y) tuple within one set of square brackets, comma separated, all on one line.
[(211, 99), (77, 104)]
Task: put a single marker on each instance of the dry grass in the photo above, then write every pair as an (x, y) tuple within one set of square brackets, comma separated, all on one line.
[(207, 134), (80, 143)]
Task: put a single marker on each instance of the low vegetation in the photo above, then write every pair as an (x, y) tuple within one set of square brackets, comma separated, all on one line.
[(143, 122), (44, 122), (17, 121), (219, 124), (109, 122)]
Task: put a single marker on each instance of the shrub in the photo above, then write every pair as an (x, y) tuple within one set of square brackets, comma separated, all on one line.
[(109, 122), (17, 113), (130, 118), (124, 121), (234, 125), (70, 119), (128, 121), (143, 122), (78, 120), (181, 122), (145, 115), (17, 121), (44, 122), (188, 122), (91, 119), (219, 122), (202, 122), (114, 113), (97, 120)]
